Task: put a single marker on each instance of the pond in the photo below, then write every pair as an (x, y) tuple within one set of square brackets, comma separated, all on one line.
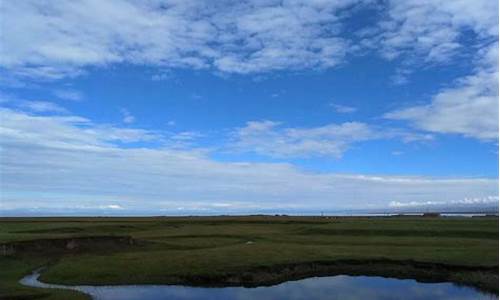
[(334, 287)]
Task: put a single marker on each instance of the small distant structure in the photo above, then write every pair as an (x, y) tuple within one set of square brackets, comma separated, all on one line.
[(249, 242), (431, 215)]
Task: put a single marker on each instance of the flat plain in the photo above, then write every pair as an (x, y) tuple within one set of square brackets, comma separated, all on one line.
[(243, 250)]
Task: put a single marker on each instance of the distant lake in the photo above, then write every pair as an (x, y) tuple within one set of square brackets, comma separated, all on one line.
[(334, 287)]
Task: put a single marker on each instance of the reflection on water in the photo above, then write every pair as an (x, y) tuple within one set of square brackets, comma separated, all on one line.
[(335, 287)]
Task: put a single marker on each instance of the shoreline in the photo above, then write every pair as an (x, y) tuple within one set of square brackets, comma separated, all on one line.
[(481, 278)]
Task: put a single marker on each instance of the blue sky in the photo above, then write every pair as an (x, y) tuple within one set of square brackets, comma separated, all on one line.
[(172, 107)]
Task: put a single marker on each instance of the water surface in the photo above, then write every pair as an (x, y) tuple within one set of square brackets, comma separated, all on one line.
[(334, 287)]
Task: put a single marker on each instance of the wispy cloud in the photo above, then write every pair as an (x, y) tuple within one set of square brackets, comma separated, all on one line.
[(488, 200), (162, 76), (72, 158), (272, 139), (45, 39), (42, 106), (469, 108), (343, 109), (432, 30), (128, 118), (111, 206), (69, 94), (47, 149)]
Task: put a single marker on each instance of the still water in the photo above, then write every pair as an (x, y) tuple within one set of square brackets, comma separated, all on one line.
[(334, 287)]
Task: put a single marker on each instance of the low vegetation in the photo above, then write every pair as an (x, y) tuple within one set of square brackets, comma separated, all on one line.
[(249, 251)]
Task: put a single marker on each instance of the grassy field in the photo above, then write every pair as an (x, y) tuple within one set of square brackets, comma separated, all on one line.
[(243, 250)]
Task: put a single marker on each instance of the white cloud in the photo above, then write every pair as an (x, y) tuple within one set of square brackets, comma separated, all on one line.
[(269, 138), (488, 200), (433, 30), (186, 136), (128, 118), (469, 108), (401, 76), (42, 106), (68, 162), (111, 206), (419, 34), (53, 40), (183, 139), (69, 94), (343, 109), (65, 132), (57, 39), (162, 76)]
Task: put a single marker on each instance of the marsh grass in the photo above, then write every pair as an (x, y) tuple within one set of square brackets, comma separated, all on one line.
[(183, 249)]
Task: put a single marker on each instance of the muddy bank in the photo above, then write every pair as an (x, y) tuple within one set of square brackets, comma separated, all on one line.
[(65, 245), (482, 278)]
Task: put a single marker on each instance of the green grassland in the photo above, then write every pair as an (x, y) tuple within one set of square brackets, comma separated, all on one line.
[(247, 250)]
